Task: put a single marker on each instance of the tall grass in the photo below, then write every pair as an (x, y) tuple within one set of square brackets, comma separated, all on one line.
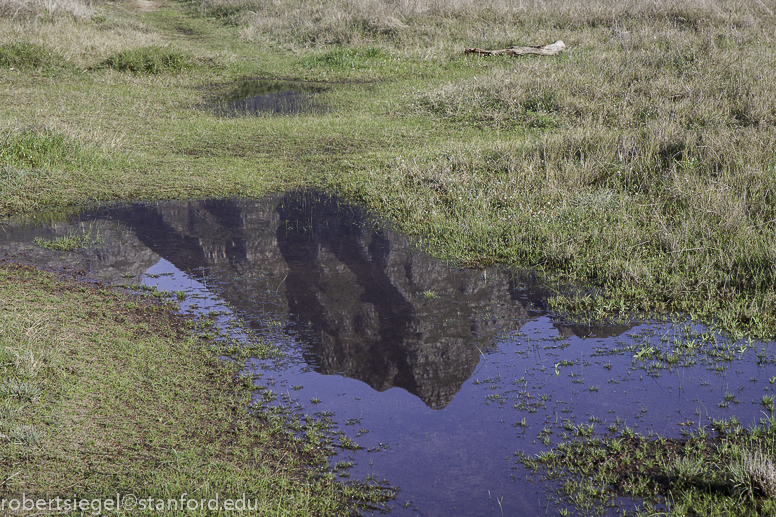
[(754, 473), (424, 24), (149, 60), (663, 113), (66, 34)]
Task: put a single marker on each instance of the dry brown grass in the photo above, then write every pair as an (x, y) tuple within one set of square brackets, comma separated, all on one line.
[(81, 43), (45, 9), (440, 24), (754, 473)]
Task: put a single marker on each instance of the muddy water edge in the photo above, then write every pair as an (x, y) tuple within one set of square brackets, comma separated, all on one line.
[(444, 377)]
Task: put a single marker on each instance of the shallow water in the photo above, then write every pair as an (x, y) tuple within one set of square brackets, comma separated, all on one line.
[(258, 96), (440, 373)]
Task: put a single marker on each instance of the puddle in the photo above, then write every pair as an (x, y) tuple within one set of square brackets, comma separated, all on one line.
[(441, 374), (260, 96)]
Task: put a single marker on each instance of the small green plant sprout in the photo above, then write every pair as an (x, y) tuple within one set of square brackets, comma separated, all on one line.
[(645, 353), (180, 295), (772, 380), (430, 295), (315, 400), (767, 402)]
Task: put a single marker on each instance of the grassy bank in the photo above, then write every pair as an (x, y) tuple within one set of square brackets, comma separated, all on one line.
[(106, 395)]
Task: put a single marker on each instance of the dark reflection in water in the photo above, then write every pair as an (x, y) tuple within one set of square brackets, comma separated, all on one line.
[(368, 306), (257, 96), (444, 372)]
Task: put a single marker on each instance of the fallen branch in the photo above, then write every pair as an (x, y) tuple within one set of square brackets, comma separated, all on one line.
[(544, 50)]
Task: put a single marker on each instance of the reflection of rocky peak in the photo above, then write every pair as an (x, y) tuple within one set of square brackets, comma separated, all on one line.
[(383, 313), (362, 302)]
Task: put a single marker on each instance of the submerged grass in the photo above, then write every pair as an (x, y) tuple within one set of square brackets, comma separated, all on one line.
[(85, 237), (730, 472)]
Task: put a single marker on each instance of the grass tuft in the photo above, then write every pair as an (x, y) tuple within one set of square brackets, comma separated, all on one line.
[(754, 474), (36, 149), (346, 58), (150, 60), (29, 56)]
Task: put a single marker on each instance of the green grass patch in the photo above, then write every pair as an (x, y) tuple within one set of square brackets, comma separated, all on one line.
[(150, 60), (29, 56), (346, 58), (104, 394), (42, 148), (35, 162)]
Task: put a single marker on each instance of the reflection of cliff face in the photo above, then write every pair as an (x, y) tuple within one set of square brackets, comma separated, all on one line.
[(361, 291), (365, 305)]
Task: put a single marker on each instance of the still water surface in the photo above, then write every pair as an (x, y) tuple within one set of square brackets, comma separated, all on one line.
[(441, 374)]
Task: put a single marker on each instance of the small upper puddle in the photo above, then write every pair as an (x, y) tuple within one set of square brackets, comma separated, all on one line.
[(259, 96), (440, 373)]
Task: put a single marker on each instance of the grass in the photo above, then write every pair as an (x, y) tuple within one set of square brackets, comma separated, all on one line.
[(73, 353), (728, 473), (149, 60), (34, 149), (45, 9), (28, 56)]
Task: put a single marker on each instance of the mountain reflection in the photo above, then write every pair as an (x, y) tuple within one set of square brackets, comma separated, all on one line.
[(364, 304)]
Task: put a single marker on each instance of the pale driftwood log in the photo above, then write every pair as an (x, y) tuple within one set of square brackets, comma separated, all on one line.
[(544, 50)]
